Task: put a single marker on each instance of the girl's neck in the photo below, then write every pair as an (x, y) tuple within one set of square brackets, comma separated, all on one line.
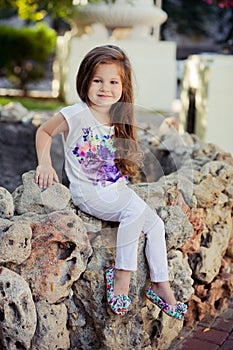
[(101, 114)]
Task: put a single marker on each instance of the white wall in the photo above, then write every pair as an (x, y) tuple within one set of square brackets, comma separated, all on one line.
[(220, 103)]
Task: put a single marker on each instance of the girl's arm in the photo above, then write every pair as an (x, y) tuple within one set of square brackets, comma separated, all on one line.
[(45, 173)]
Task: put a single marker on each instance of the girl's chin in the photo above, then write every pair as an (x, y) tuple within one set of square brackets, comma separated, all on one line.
[(103, 104), (105, 108)]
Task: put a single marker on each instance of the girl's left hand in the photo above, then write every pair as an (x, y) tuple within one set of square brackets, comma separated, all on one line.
[(45, 175)]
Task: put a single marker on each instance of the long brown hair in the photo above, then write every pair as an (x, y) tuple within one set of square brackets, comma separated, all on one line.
[(122, 116)]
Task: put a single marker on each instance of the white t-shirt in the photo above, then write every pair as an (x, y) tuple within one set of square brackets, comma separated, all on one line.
[(89, 153)]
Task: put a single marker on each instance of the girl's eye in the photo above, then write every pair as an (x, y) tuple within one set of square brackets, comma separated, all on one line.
[(96, 80), (114, 82)]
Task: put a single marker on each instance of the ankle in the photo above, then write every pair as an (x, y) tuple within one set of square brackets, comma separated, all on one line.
[(121, 281), (164, 291)]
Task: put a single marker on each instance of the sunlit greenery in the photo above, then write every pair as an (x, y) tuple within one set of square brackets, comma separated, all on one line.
[(34, 104), (36, 10), (26, 52)]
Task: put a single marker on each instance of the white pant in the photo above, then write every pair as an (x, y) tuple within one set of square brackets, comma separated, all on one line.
[(118, 202)]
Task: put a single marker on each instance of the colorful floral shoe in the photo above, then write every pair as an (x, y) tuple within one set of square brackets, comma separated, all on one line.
[(119, 304), (177, 311)]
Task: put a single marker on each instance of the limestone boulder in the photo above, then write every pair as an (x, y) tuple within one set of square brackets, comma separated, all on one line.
[(180, 275), (203, 152), (164, 326), (29, 197), (207, 192), (17, 311), (210, 299), (60, 251), (15, 241), (214, 244), (221, 172), (92, 224), (6, 204), (51, 331), (176, 184), (177, 226), (216, 214), (152, 193), (196, 217)]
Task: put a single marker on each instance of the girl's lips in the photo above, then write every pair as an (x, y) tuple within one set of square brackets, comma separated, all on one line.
[(104, 96)]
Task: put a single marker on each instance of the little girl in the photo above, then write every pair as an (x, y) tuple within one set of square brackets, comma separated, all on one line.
[(101, 152)]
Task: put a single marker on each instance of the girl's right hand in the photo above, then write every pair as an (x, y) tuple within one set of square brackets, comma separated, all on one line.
[(45, 175)]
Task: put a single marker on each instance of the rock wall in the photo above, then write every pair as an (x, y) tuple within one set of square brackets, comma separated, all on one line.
[(52, 256)]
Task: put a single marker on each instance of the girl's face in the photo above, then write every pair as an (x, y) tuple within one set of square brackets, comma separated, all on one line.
[(106, 86)]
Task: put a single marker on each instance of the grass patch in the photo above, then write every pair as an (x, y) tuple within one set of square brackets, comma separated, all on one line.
[(35, 104)]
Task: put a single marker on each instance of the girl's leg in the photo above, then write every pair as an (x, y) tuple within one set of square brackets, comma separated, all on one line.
[(123, 205), (156, 253)]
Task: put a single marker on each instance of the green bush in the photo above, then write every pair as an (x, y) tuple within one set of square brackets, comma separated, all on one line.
[(25, 52)]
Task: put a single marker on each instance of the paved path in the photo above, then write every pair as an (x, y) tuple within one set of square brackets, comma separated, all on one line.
[(209, 334)]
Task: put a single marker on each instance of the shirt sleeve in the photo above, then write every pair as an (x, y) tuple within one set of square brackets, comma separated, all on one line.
[(72, 115)]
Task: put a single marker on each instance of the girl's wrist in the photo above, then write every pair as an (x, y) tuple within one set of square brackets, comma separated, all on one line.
[(45, 164)]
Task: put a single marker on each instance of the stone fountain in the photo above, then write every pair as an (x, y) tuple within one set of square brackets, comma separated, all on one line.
[(133, 25), (120, 14)]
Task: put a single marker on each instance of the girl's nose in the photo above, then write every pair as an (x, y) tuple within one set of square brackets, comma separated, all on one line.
[(104, 87)]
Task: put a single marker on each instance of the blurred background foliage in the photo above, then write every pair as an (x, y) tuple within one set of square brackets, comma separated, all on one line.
[(26, 52), (37, 10), (199, 18)]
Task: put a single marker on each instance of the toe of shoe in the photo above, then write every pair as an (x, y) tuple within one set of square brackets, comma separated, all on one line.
[(181, 307), (120, 304)]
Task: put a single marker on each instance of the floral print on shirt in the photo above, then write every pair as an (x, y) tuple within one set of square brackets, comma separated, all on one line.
[(96, 156)]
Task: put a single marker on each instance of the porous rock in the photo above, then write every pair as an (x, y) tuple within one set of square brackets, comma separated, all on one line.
[(177, 183), (15, 241), (17, 311), (205, 152), (51, 332), (214, 244), (220, 171), (91, 223), (29, 197), (197, 219), (210, 299), (60, 250), (152, 193), (207, 192), (180, 275), (6, 204), (177, 226)]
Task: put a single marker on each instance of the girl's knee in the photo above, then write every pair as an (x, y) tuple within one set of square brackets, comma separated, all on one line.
[(153, 223), (135, 209), (160, 224)]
